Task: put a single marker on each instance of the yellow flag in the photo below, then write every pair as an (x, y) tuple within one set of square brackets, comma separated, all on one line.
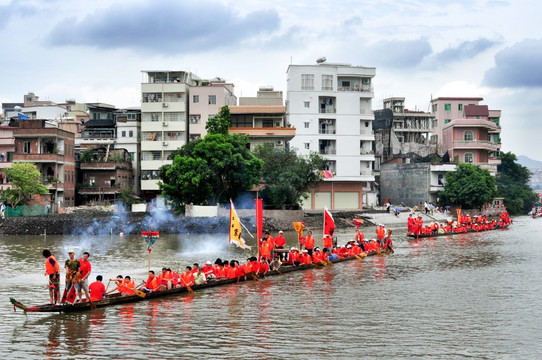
[(299, 226), (235, 229)]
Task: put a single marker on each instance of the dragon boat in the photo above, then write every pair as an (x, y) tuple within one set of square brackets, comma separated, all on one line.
[(117, 298), (419, 236)]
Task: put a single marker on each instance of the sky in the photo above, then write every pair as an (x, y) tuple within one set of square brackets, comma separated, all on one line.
[(94, 51)]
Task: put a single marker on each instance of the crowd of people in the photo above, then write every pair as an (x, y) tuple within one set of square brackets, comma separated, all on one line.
[(272, 256), (465, 223)]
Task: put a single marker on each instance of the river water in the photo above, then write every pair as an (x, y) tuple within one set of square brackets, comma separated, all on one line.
[(473, 296)]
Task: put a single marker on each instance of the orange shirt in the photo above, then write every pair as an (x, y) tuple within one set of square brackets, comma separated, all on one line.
[(49, 267), (309, 242), (265, 250), (152, 284), (328, 242), (187, 279)]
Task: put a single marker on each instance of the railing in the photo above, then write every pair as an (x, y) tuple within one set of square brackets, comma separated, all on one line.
[(359, 88), (328, 110), (327, 131), (328, 151), (475, 144)]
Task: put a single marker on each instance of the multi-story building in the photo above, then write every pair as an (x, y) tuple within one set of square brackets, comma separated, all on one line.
[(164, 109), (53, 151), (7, 147), (400, 131), (104, 173), (469, 131), (206, 100), (128, 123), (262, 118), (330, 107)]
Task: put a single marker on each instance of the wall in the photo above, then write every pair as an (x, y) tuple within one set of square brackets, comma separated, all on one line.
[(405, 183)]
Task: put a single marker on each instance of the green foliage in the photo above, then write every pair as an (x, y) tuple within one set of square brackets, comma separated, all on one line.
[(512, 184), (128, 196), (220, 123), (25, 180), (209, 171), (288, 177), (469, 187)]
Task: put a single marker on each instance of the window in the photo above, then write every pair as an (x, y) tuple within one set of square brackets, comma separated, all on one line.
[(26, 147), (307, 124), (327, 82), (212, 99), (366, 124), (307, 104), (131, 133), (92, 181), (123, 133), (307, 81), (307, 146), (132, 155), (446, 121), (195, 119), (132, 117), (468, 136), (195, 99), (459, 107), (468, 158), (447, 106)]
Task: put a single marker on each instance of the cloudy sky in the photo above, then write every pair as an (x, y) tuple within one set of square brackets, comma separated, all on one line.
[(95, 50)]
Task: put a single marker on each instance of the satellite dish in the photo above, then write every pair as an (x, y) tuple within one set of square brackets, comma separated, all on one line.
[(17, 108), (321, 60)]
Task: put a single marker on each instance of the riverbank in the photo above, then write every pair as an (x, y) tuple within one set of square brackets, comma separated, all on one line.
[(106, 222)]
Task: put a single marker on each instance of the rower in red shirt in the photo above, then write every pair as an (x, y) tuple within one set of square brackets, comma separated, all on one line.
[(97, 289)]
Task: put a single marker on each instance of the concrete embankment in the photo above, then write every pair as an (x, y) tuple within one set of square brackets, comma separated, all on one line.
[(99, 222)]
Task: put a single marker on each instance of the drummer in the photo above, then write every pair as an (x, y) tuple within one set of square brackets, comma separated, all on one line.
[(280, 242)]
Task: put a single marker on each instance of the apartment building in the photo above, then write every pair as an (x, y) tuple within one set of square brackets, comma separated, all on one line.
[(400, 131), (330, 105), (53, 151), (262, 119), (7, 147), (128, 122), (469, 131), (164, 110), (207, 97)]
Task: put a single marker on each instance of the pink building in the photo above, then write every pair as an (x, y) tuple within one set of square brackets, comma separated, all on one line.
[(468, 130), (206, 100), (7, 147)]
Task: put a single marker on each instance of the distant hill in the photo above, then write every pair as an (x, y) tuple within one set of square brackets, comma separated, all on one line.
[(528, 162)]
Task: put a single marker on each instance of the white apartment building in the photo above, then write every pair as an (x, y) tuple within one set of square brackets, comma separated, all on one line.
[(164, 109), (330, 105), (206, 100)]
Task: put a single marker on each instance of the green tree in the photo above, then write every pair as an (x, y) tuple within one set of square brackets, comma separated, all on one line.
[(210, 170), (220, 123), (513, 185), (25, 180), (287, 176), (469, 187)]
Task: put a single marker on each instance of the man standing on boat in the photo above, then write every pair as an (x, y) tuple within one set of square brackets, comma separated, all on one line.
[(309, 243), (280, 242), (72, 266), (85, 269), (52, 270)]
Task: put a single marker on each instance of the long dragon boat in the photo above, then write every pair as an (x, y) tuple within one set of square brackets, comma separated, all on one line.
[(117, 298), (419, 236)]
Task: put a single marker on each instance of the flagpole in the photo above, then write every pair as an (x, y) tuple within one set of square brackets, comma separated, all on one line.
[(229, 233)]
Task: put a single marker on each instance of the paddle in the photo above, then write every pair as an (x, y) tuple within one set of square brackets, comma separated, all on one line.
[(190, 291)]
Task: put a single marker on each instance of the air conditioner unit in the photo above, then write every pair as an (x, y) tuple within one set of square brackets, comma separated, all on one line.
[(164, 143), (164, 123), (280, 142), (164, 104)]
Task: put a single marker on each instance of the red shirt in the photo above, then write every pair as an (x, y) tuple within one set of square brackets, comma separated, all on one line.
[(85, 268), (280, 241), (97, 290)]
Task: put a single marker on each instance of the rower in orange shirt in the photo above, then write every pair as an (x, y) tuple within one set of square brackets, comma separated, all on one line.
[(152, 284), (359, 236), (187, 277), (327, 242)]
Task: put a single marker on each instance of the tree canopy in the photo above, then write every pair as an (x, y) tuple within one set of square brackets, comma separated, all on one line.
[(287, 176), (220, 123), (25, 179), (210, 170), (512, 184), (469, 187)]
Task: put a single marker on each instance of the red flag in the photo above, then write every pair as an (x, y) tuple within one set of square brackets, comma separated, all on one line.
[(328, 174), (259, 222), (329, 223)]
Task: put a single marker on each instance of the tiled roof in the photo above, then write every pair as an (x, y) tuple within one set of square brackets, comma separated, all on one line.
[(257, 109), (476, 110)]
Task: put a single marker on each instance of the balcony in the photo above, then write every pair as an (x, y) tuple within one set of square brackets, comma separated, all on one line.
[(327, 147), (476, 144), (490, 125), (327, 104), (281, 132)]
